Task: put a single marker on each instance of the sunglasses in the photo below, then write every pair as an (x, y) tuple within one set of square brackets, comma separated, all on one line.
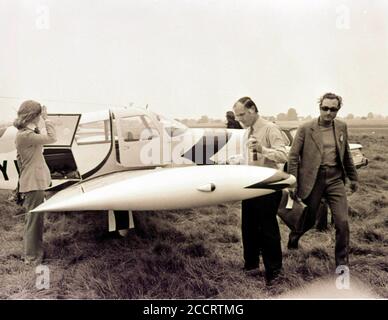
[(328, 108)]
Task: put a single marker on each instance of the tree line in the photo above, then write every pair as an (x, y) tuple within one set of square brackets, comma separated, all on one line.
[(291, 115)]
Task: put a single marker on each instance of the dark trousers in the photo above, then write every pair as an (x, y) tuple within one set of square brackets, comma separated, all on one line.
[(322, 222), (329, 184), (260, 232)]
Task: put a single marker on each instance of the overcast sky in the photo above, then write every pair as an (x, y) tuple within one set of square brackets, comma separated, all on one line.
[(188, 58)]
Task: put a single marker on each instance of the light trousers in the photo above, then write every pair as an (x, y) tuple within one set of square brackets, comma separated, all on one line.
[(33, 229)]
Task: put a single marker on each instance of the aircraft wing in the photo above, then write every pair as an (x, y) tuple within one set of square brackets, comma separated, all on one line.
[(168, 188)]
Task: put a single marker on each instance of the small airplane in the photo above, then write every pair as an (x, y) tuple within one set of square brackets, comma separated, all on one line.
[(126, 159)]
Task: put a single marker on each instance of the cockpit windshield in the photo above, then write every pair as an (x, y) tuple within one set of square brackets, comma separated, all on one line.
[(173, 127)]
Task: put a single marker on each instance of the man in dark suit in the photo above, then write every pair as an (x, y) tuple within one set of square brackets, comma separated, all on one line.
[(231, 122), (321, 161)]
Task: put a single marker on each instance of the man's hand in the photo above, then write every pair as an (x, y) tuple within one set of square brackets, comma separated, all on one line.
[(293, 193), (353, 186), (253, 145)]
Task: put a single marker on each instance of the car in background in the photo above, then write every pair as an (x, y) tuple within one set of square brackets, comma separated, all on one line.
[(356, 149)]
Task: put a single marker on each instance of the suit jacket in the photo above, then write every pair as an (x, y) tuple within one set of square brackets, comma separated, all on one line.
[(305, 156), (34, 173), (233, 124)]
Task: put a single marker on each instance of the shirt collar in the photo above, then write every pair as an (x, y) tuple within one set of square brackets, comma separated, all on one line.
[(259, 123), (321, 124)]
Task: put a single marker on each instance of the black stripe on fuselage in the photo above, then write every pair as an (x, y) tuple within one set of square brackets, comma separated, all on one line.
[(261, 185), (209, 144), (96, 169)]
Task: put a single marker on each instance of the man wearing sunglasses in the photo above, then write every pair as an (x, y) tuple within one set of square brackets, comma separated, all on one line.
[(321, 161)]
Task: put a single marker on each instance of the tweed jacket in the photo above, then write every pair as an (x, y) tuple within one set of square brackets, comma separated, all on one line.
[(305, 156), (34, 173)]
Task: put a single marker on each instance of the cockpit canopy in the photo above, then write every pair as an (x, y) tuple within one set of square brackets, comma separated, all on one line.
[(173, 127)]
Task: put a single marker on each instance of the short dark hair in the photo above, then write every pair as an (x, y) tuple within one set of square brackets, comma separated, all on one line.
[(330, 95), (247, 103), (230, 115)]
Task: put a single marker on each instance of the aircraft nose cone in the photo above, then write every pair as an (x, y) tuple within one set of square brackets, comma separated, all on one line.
[(278, 181)]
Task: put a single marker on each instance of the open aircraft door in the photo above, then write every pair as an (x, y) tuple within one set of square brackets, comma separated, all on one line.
[(138, 139), (59, 155)]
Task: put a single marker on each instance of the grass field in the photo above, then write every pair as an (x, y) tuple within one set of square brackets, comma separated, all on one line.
[(196, 253)]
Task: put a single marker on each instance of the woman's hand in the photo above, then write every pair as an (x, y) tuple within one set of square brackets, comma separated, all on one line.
[(44, 112)]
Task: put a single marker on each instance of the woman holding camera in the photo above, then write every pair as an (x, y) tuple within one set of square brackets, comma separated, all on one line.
[(34, 174)]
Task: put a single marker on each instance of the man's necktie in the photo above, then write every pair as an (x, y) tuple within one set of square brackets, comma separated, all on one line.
[(254, 153)]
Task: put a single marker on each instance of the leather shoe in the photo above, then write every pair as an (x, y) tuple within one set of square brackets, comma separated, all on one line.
[(273, 277), (250, 266), (293, 242)]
